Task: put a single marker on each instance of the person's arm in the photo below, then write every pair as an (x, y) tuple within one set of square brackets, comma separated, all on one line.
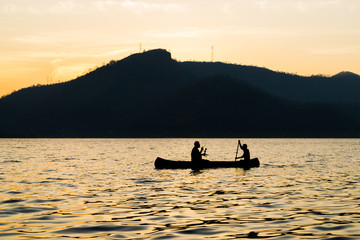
[(204, 154), (240, 156)]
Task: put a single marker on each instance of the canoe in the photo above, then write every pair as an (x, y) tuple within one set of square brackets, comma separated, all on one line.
[(161, 163)]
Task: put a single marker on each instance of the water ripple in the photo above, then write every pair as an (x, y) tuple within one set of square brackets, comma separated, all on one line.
[(101, 228)]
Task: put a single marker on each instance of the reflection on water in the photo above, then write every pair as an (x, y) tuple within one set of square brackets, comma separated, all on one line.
[(109, 189)]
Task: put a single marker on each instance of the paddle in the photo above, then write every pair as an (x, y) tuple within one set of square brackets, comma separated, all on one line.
[(237, 149)]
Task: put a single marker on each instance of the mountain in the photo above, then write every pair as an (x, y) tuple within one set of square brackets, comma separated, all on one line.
[(151, 95), (223, 107), (347, 75), (341, 88)]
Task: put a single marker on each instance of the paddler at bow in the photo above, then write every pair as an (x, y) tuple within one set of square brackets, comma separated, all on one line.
[(196, 155)]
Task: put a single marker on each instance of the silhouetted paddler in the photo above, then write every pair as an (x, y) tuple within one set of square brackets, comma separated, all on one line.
[(246, 154), (196, 155)]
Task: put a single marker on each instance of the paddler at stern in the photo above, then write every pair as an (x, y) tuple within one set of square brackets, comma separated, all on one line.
[(246, 154)]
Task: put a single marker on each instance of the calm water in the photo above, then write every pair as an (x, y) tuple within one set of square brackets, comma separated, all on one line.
[(109, 189)]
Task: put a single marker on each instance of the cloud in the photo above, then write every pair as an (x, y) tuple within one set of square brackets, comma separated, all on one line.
[(41, 7), (336, 51), (9, 8), (56, 61), (140, 6), (81, 7), (232, 7), (59, 56), (137, 7), (105, 5), (192, 32), (69, 37), (188, 32)]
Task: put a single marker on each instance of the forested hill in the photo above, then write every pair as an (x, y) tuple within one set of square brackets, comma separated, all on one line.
[(152, 95)]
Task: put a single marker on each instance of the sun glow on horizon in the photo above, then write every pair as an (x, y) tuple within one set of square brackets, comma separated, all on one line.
[(62, 39)]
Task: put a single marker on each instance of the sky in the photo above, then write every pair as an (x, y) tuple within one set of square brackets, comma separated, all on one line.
[(50, 41)]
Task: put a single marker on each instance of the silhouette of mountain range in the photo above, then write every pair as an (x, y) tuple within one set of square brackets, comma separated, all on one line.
[(150, 94)]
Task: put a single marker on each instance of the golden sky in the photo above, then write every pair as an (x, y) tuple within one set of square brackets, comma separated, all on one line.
[(47, 41)]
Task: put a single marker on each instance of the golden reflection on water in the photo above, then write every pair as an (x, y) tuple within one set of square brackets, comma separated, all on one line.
[(109, 189)]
